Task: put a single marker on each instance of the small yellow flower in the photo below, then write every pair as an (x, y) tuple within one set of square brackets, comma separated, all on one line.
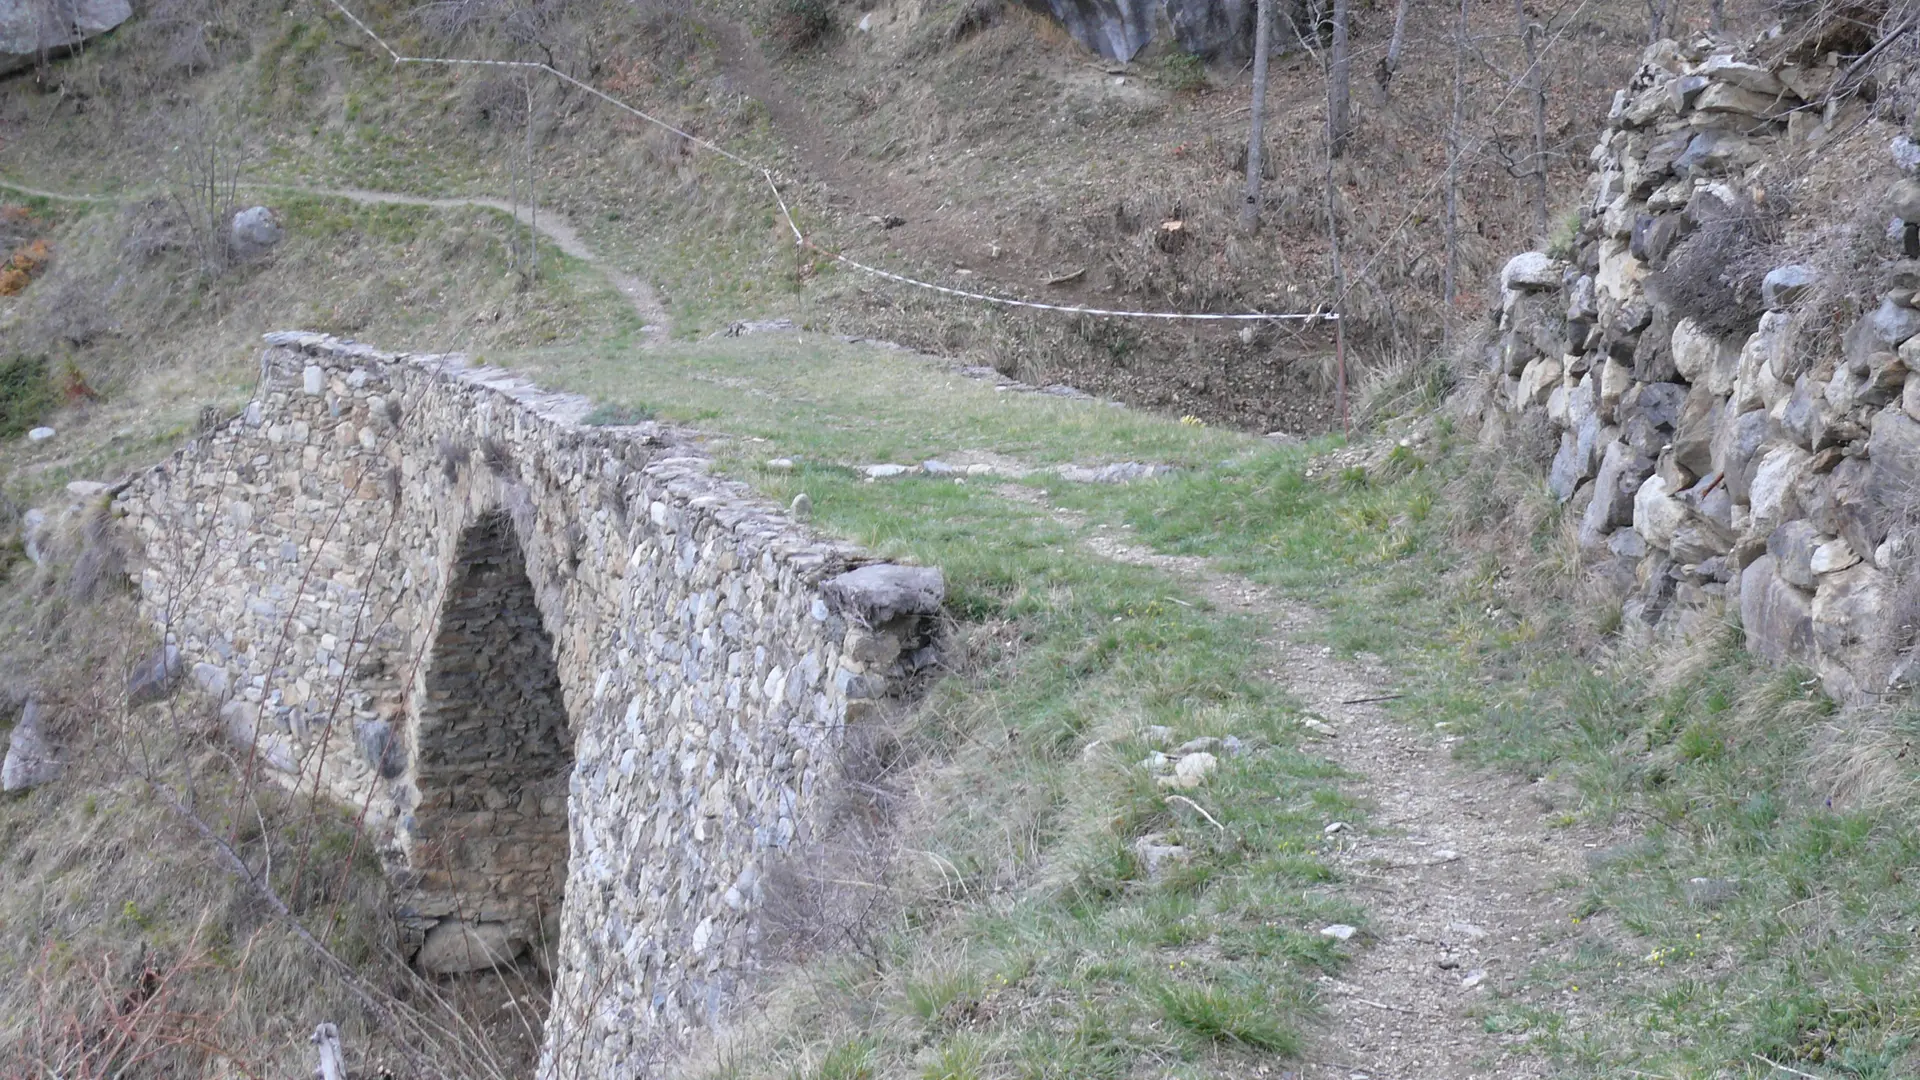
[(1192, 421)]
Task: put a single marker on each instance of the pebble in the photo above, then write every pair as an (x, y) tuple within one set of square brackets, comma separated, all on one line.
[(1474, 978), (802, 509), (1338, 931), (40, 434), (780, 464), (1338, 826), (887, 472), (1318, 727)]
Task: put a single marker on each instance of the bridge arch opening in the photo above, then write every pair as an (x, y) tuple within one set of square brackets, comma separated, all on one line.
[(493, 751)]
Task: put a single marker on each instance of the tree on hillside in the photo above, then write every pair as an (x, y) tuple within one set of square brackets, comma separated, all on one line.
[(1390, 63), (1534, 81), (1339, 84), (1256, 127)]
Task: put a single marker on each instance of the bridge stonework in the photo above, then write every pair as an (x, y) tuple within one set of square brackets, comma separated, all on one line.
[(582, 689)]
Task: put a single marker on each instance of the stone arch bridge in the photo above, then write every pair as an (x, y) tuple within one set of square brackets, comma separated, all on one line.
[(581, 688)]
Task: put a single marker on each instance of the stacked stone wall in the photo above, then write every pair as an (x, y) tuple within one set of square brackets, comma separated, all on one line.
[(582, 688), (1718, 456)]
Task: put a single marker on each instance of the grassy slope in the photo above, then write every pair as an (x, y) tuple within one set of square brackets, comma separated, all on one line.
[(1450, 562)]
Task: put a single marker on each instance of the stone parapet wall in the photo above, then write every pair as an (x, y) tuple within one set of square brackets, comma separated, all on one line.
[(580, 687), (1716, 454)]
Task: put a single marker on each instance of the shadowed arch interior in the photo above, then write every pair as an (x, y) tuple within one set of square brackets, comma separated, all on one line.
[(493, 748)]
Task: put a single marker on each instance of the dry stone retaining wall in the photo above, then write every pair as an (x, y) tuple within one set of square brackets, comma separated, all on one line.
[(1717, 457), (582, 688)]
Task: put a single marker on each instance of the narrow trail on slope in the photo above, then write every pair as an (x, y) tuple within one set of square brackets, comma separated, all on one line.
[(1458, 869), (645, 302)]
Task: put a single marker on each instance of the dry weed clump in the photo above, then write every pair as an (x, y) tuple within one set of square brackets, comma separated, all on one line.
[(22, 265), (1714, 276)]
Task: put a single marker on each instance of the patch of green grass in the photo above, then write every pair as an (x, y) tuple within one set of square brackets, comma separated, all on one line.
[(1767, 909), (1077, 959), (814, 399), (26, 394), (607, 414), (1219, 1013)]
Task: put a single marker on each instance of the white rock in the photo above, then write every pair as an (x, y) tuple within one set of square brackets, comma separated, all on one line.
[(1192, 769), (1702, 358), (1833, 556), (887, 472), (313, 380), (85, 489), (780, 464), (40, 434), (1537, 381), (1339, 931), (1620, 273), (1474, 978), (1532, 270), (1656, 514), (1773, 481)]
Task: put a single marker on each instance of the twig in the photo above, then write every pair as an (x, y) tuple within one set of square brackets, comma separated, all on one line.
[(1842, 85), (1201, 809), (1373, 700), (1393, 1008), (1785, 1068)]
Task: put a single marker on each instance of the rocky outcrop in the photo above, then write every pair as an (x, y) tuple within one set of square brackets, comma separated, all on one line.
[(1713, 457), (32, 29), (1119, 29), (31, 757)]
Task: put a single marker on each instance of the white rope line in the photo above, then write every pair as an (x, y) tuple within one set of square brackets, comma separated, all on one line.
[(800, 237)]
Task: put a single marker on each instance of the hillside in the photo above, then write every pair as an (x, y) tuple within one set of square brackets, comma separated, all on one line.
[(1293, 756)]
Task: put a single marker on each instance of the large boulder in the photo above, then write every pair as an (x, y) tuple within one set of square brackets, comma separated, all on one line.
[(455, 947), (31, 29), (254, 233)]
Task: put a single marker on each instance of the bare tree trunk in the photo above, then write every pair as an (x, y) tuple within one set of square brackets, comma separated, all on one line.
[(1340, 85), (1536, 85), (1257, 126), (1339, 292), (1390, 63), (1657, 11), (533, 197), (1454, 149)]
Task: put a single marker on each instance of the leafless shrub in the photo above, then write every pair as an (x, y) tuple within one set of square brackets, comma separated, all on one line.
[(1714, 276), (206, 155), (453, 458), (496, 455), (151, 228), (496, 101)]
